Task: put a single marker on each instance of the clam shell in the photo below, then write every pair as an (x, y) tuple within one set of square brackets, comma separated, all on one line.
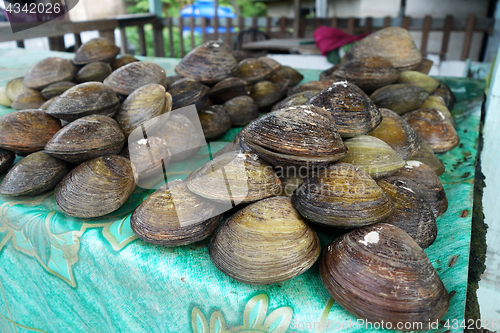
[(35, 174), (418, 79), (247, 178), (242, 110), (48, 103), (282, 78), (182, 138), (328, 73), (97, 49), (296, 76), (424, 66), (96, 187), (86, 138), (28, 99), (229, 88), (48, 71), (144, 104), (174, 216), (265, 242), (134, 75), (266, 93), (397, 133), (14, 87), (89, 98), (368, 73), (270, 62), (122, 61), (433, 127), (6, 160), (188, 91), (395, 44), (56, 89), (149, 157), (428, 183), (95, 71), (446, 94), (27, 131), (296, 136), (427, 156), (4, 99), (379, 273), (372, 155), (215, 122), (399, 97), (313, 85), (289, 185), (412, 211), (172, 79), (294, 100), (437, 102), (208, 63), (240, 55), (342, 195), (353, 111), (253, 70)]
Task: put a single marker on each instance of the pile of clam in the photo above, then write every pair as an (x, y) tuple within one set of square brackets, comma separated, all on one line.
[(353, 151)]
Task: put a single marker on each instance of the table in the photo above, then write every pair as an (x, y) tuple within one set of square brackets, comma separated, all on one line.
[(291, 45), (61, 274)]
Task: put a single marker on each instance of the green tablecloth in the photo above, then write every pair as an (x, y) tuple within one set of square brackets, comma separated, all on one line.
[(61, 274)]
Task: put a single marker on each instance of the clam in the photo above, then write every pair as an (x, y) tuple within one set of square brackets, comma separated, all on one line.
[(85, 99), (172, 79), (215, 122), (418, 79), (424, 66), (35, 174), (48, 103), (174, 216), (296, 76), (144, 104), (302, 136), (6, 160), (437, 102), (229, 88), (134, 75), (94, 71), (14, 87), (395, 44), (27, 131), (266, 93), (122, 61), (4, 99), (242, 110), (240, 55), (353, 111), (313, 85), (56, 89), (96, 187), (368, 73), (97, 49), (397, 133), (181, 136), (86, 138), (188, 91), (372, 155), (28, 99), (270, 62), (342, 195), (294, 100), (328, 73), (427, 156), (434, 128), (149, 157), (399, 97), (265, 242), (412, 211), (428, 183), (235, 177), (48, 71), (253, 70), (379, 273), (289, 184), (282, 78), (446, 94), (208, 63)]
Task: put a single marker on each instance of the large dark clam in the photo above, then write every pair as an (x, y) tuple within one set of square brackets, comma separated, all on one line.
[(208, 63), (265, 242), (427, 156), (242, 110), (6, 160), (86, 138), (298, 99), (437, 102), (27, 131), (35, 174), (229, 88), (134, 75), (48, 71), (446, 94), (379, 273), (313, 85), (56, 89), (28, 99), (89, 98), (97, 49), (215, 121), (95, 71), (188, 91), (96, 187), (181, 136), (266, 93), (253, 70), (174, 216), (296, 76), (400, 97), (342, 195), (270, 62), (122, 61)]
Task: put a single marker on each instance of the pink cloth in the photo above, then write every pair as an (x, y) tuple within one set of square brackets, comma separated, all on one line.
[(328, 39)]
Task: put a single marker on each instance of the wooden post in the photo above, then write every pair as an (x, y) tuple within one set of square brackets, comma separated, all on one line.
[(387, 21), (191, 29), (171, 37), (123, 40), (216, 20), (142, 40), (369, 25), (268, 27), (283, 26), (448, 25), (241, 23), (334, 22), (108, 34), (181, 40), (425, 34), (57, 43), (203, 29), (469, 31), (350, 25), (406, 22), (228, 31), (296, 18), (158, 39)]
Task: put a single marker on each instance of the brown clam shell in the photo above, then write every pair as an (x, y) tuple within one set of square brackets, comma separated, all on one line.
[(122, 61), (208, 63), (28, 99), (96, 187), (342, 195), (181, 136), (296, 76), (172, 79), (412, 211), (174, 216), (424, 66), (399, 97), (379, 273), (134, 75), (437, 102), (56, 89), (266, 93), (48, 103), (242, 110), (149, 157), (433, 127), (253, 70), (313, 85), (95, 71), (229, 88), (397, 133), (418, 79), (395, 44), (298, 99), (215, 122), (353, 111), (86, 138), (282, 78), (265, 242), (48, 71), (446, 94), (85, 99), (97, 49), (270, 62), (328, 73), (427, 156), (35, 174), (6, 160), (27, 131), (188, 91)]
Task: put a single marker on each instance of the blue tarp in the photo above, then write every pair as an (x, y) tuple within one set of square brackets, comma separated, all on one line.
[(205, 8)]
